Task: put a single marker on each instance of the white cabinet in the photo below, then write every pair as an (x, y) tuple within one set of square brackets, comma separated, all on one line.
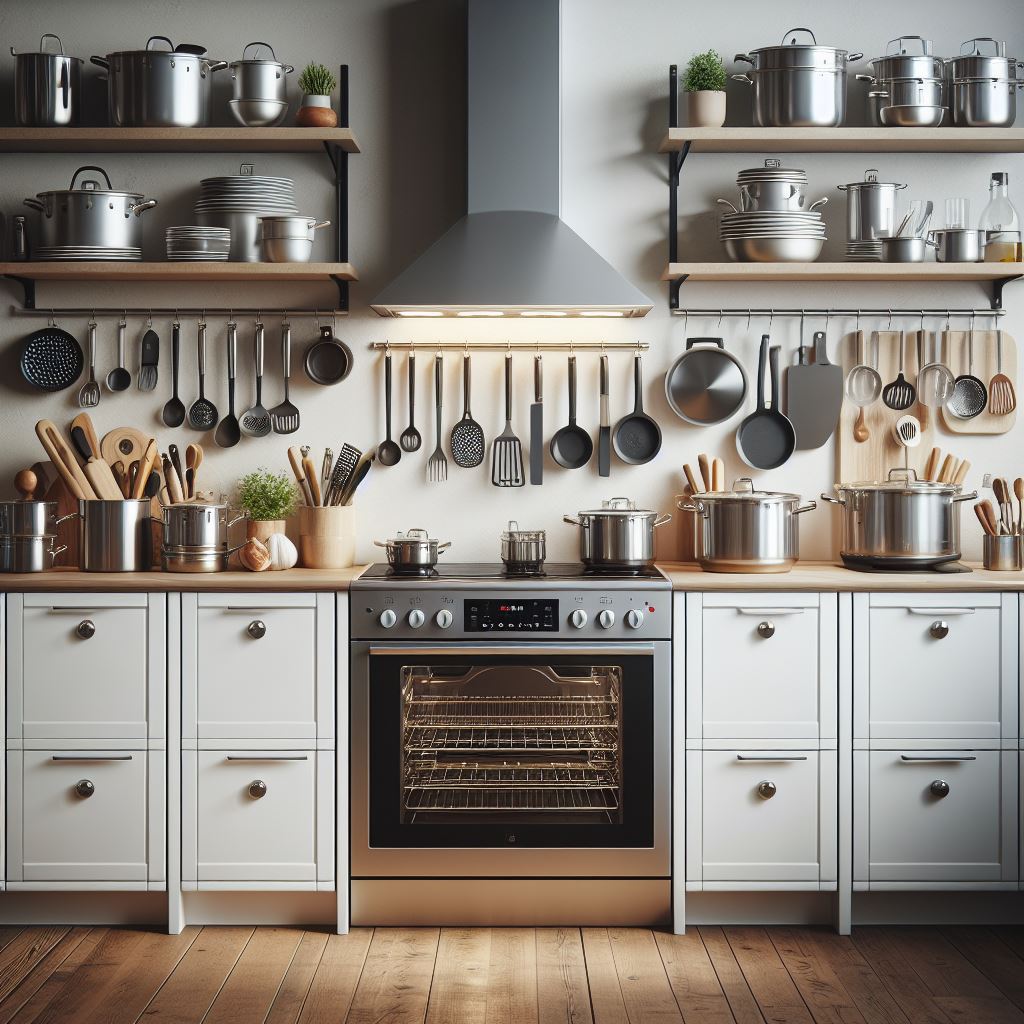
[(935, 818), (761, 816)]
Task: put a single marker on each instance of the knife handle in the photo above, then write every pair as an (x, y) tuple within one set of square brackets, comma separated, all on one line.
[(538, 379), (605, 421)]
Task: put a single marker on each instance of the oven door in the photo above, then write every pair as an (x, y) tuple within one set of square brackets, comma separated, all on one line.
[(534, 760)]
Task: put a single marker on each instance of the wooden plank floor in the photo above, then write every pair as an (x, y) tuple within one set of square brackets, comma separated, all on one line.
[(712, 975)]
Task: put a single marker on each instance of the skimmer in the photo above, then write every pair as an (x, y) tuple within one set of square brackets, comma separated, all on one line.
[(202, 415), (256, 420), (900, 394), (970, 396), (410, 439), (467, 440)]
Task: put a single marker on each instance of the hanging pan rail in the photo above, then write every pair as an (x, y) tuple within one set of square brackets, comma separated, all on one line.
[(512, 346), (148, 312), (778, 312)]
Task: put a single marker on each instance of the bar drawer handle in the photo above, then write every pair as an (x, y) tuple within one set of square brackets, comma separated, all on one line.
[(770, 611), (940, 759), (91, 757), (939, 629), (771, 757), (86, 629), (85, 788), (766, 790), (942, 611), (257, 789), (257, 629), (267, 757), (939, 788), (766, 629)]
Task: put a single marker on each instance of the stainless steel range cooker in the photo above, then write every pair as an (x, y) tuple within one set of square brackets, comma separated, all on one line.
[(511, 747)]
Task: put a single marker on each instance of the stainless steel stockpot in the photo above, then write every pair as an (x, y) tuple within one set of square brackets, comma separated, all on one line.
[(870, 207), (28, 554), (985, 102), (89, 216), (115, 536), (899, 523), (197, 527), (414, 551), (255, 79), (523, 549), (972, 63), (29, 518), (617, 536), (744, 530), (158, 88), (798, 85), (898, 62), (47, 87)]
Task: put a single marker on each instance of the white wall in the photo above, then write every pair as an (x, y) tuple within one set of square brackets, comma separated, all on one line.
[(408, 111)]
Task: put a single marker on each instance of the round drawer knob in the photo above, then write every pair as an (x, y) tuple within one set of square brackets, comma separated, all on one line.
[(939, 788), (766, 790), (939, 629), (85, 788), (766, 629), (257, 629), (86, 629), (257, 789)]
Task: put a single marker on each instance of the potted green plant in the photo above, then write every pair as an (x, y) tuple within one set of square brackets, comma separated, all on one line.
[(269, 498), (317, 83), (704, 82)]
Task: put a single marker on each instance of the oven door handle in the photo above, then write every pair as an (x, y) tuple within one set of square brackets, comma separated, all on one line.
[(467, 650)]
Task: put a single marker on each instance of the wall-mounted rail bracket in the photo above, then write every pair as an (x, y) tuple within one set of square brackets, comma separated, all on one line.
[(28, 287), (675, 165), (673, 292), (342, 292), (997, 289)]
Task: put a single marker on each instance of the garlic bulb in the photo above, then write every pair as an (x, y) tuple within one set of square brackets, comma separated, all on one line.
[(283, 553), (255, 555)]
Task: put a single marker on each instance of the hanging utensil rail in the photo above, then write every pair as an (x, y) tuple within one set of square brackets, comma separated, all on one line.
[(511, 346), (830, 312), (146, 312)]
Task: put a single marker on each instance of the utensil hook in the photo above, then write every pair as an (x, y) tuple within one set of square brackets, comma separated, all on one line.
[(889, 328), (124, 318), (149, 320)]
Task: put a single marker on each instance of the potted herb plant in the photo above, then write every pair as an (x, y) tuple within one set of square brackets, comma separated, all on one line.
[(704, 82), (269, 498), (317, 83)]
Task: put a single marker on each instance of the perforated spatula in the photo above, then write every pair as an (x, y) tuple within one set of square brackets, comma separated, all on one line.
[(814, 394)]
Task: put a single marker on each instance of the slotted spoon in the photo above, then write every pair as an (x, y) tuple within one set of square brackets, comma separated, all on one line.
[(202, 414), (1002, 399), (410, 438), (900, 394), (467, 440), (89, 395), (256, 420), (285, 416)]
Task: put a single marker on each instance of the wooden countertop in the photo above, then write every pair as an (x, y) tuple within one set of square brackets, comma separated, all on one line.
[(825, 576), (287, 580)]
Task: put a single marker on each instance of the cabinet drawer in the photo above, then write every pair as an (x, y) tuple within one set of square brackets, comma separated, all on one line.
[(937, 669), (261, 667), (764, 665), (82, 666), (256, 815), (766, 816), (77, 816), (937, 816)]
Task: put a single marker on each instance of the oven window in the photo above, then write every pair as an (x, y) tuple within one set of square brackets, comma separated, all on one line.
[(514, 744)]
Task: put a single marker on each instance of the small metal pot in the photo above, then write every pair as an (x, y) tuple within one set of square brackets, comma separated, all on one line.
[(1003, 554), (870, 207), (523, 551), (158, 88), (899, 62), (29, 518), (775, 196), (618, 536), (912, 115), (196, 560), (414, 551), (911, 249), (899, 523), (903, 92), (197, 527), (291, 227), (985, 102), (972, 63), (28, 554), (89, 216), (744, 530), (255, 79), (286, 250), (958, 245), (115, 536), (47, 87)]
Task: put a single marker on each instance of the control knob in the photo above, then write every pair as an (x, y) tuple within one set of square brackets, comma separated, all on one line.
[(443, 618), (416, 618), (388, 618), (606, 618), (578, 619), (634, 618)]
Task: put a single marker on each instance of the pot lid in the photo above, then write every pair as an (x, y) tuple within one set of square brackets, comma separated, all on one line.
[(514, 533), (617, 507), (90, 186), (871, 181), (415, 535), (902, 481), (743, 490), (771, 171)]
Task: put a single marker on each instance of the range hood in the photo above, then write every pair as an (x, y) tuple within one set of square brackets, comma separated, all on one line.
[(511, 254)]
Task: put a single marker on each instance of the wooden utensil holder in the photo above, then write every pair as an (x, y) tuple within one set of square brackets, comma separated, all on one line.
[(327, 537)]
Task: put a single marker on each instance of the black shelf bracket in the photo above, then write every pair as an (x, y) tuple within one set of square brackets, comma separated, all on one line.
[(997, 289), (339, 164), (675, 165), (28, 288)]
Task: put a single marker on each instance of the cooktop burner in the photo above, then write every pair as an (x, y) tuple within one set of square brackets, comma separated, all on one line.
[(552, 571)]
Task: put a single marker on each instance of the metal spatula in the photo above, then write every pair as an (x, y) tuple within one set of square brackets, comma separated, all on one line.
[(467, 440), (284, 417), (900, 394), (507, 449)]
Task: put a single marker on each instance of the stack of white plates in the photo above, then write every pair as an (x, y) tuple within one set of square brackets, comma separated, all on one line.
[(247, 193), (864, 251), (198, 243), (772, 172), (85, 254), (758, 224)]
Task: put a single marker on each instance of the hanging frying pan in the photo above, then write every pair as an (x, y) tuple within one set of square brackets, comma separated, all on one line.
[(766, 439), (571, 446), (706, 384), (328, 360), (637, 437), (51, 359)]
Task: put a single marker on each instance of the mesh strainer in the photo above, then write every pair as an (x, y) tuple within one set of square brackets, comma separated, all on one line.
[(970, 396), (863, 383)]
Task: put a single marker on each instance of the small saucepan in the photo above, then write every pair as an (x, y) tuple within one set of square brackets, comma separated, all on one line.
[(328, 360), (413, 552)]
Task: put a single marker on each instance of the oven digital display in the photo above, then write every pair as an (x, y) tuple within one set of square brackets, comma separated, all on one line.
[(485, 616)]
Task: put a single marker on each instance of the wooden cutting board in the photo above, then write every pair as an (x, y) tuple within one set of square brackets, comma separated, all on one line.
[(985, 368), (872, 459)]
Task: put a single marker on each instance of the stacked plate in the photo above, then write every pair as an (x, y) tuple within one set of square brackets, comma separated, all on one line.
[(771, 172), (198, 243), (864, 251), (85, 254), (237, 202), (768, 236)]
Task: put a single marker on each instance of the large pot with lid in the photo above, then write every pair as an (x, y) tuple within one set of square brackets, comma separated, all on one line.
[(870, 207), (413, 552), (47, 87), (744, 530), (158, 88), (88, 216), (618, 536), (899, 523), (798, 85)]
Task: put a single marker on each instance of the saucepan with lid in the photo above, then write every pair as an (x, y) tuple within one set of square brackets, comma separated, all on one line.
[(618, 536), (414, 551)]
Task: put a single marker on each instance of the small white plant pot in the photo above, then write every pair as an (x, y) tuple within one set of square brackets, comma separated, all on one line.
[(706, 109)]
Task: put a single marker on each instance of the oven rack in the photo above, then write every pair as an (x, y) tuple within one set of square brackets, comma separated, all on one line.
[(593, 774), (515, 739), (532, 712)]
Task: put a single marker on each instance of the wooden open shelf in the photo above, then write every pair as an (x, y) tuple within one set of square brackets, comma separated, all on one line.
[(844, 140), (164, 271), (175, 140), (800, 272)]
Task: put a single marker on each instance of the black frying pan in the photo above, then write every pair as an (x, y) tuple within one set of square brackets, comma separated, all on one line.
[(637, 437), (51, 359), (328, 361), (571, 446), (766, 438)]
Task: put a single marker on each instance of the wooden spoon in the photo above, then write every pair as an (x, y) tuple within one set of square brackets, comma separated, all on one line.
[(990, 515), (1018, 490), (860, 426), (947, 467), (704, 464), (691, 480), (718, 475), (961, 472), (979, 511), (932, 464)]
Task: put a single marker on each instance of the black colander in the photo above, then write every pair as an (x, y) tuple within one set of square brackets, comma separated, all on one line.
[(51, 359)]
